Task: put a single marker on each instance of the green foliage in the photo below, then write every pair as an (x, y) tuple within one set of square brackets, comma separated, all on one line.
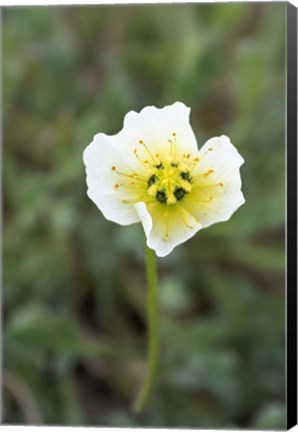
[(74, 284)]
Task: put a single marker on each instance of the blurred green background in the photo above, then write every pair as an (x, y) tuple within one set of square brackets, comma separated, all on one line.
[(74, 340)]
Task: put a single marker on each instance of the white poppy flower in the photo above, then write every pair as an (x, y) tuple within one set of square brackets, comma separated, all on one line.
[(153, 172)]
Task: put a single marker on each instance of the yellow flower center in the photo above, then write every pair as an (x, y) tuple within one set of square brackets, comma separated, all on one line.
[(169, 181), (166, 179)]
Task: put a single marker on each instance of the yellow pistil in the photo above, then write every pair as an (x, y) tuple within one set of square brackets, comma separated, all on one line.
[(169, 181)]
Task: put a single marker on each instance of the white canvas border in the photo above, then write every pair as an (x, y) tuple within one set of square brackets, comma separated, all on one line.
[(13, 3)]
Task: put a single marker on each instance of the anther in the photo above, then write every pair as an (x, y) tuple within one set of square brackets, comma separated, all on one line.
[(210, 171)]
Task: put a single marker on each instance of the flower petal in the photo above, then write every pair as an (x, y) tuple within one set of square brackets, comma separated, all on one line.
[(217, 194), (166, 227), (100, 158), (219, 210), (156, 126), (218, 153)]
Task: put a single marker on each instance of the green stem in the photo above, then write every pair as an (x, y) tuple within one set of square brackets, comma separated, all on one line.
[(146, 389)]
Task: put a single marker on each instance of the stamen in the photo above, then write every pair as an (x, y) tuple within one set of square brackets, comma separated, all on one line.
[(173, 145), (117, 185), (185, 156), (210, 171), (206, 152), (128, 201), (166, 234), (171, 148), (133, 201), (183, 219), (138, 177), (128, 185), (194, 163), (198, 177), (212, 185), (203, 201), (148, 150), (139, 159), (189, 211), (124, 174)]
